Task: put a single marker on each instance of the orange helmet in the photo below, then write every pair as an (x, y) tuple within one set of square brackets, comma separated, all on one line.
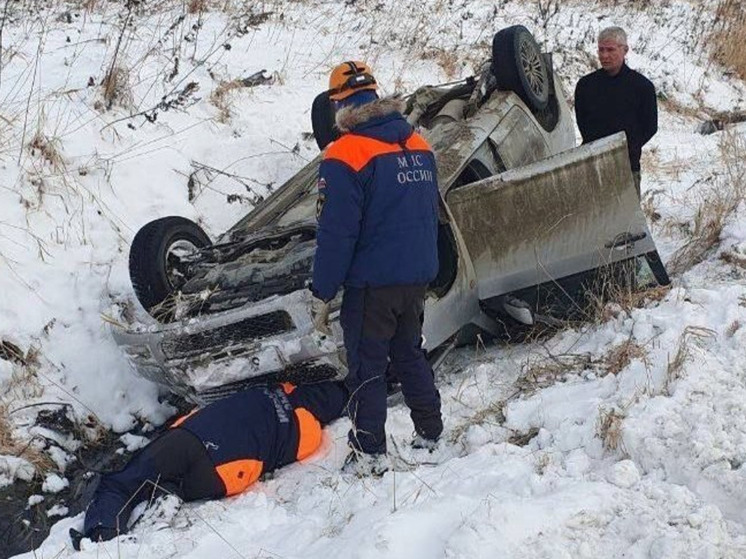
[(349, 78)]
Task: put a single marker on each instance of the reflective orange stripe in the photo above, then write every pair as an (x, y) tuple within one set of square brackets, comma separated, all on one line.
[(309, 437), (357, 151), (239, 474), (183, 418), (287, 387)]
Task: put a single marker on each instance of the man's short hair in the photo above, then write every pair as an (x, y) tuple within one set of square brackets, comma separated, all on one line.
[(616, 34)]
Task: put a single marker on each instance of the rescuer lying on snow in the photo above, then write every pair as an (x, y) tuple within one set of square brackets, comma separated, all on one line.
[(216, 451)]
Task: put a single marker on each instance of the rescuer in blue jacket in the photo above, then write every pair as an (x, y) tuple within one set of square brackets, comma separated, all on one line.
[(377, 237), (216, 451)]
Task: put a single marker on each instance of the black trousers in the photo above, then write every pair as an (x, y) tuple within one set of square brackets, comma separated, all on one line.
[(176, 462), (382, 327)]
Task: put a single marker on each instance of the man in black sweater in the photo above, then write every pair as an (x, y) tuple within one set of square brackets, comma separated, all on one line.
[(616, 98)]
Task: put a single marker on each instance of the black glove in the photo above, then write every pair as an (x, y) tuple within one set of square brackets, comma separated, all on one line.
[(97, 534)]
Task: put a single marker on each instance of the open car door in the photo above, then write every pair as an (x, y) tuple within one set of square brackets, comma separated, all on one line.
[(544, 232)]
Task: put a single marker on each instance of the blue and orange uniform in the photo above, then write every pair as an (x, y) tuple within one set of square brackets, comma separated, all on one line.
[(218, 451), (377, 236)]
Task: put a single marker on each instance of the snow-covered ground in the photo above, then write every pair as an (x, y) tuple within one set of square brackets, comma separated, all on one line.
[(636, 425)]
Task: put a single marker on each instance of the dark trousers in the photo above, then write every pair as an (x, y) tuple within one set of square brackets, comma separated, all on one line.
[(176, 462), (382, 327)]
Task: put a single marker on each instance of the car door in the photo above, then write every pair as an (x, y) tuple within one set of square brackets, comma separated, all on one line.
[(558, 217)]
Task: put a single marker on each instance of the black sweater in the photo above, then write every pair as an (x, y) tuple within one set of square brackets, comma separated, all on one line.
[(607, 104)]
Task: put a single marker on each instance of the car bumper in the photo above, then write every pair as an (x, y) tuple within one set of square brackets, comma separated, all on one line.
[(200, 355)]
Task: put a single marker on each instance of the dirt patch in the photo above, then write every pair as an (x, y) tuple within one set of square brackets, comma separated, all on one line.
[(24, 526)]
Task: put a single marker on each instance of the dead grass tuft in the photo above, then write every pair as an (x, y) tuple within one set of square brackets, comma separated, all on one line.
[(674, 106), (90, 6), (649, 207), (11, 352), (493, 412), (609, 428), (728, 35), (48, 149), (10, 445), (24, 381), (619, 357), (196, 6), (615, 295), (733, 258), (522, 439), (116, 88), (549, 370), (220, 98), (637, 4), (719, 202), (690, 336)]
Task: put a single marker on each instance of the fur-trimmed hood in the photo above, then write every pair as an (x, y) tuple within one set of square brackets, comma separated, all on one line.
[(348, 118)]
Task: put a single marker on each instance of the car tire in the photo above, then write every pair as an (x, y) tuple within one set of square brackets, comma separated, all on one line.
[(153, 255), (519, 66), (322, 120)]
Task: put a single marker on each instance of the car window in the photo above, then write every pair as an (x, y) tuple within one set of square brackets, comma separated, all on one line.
[(518, 140), (485, 163)]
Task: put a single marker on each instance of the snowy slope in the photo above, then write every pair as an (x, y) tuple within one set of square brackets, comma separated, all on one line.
[(636, 424)]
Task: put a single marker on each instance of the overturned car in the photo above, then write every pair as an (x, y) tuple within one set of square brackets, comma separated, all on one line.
[(531, 228)]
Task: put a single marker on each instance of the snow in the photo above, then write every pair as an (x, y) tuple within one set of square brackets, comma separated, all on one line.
[(35, 500), (536, 460), (12, 467), (57, 510), (133, 442), (54, 484)]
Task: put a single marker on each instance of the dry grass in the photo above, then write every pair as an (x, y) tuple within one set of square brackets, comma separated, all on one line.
[(674, 106), (650, 207), (47, 149), (448, 60), (728, 35), (11, 352), (24, 382), (196, 6), (719, 202), (22, 385), (609, 428), (492, 413), (613, 297), (619, 357), (637, 4), (689, 337), (670, 170), (547, 371), (733, 258), (116, 88), (220, 98), (733, 327), (522, 439), (11, 446)]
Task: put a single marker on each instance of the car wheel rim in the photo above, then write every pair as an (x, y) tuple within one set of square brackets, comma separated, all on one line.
[(175, 255), (533, 69)]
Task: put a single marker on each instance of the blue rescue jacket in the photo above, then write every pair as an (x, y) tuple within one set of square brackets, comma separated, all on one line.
[(245, 435), (261, 429), (378, 205)]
